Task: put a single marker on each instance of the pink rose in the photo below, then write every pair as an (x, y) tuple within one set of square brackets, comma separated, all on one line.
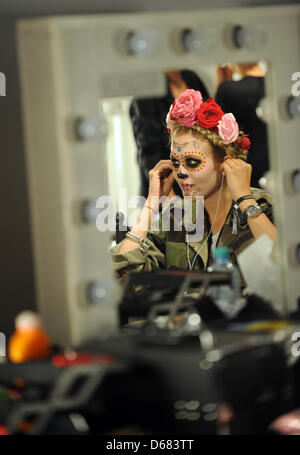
[(169, 122), (185, 107), (228, 128)]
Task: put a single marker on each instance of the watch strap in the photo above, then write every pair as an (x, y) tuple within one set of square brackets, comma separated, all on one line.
[(243, 198)]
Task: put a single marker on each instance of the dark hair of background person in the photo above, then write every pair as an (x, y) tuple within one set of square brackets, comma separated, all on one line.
[(242, 97)]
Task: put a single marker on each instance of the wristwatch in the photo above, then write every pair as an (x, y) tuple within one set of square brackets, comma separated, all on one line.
[(252, 211)]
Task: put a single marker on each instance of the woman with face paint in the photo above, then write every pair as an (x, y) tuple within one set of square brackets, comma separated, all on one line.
[(208, 160)]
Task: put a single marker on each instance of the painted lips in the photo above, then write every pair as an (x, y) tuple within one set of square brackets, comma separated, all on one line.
[(186, 186)]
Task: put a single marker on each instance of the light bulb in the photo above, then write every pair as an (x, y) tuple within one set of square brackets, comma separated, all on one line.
[(296, 179), (143, 43), (199, 41), (89, 211), (249, 36), (293, 106), (96, 292), (90, 128)]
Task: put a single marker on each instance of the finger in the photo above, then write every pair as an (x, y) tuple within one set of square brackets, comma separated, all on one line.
[(245, 164), (162, 167), (227, 164), (167, 182), (242, 162), (165, 169), (231, 159), (239, 162), (167, 178), (227, 159), (233, 164), (169, 173), (163, 163)]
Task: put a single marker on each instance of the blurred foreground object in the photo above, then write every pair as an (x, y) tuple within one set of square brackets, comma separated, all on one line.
[(260, 264), (287, 424), (176, 365), (29, 341)]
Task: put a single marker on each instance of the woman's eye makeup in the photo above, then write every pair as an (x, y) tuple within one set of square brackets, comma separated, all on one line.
[(175, 161), (191, 163)]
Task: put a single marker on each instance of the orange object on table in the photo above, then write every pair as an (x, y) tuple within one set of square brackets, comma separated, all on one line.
[(29, 341)]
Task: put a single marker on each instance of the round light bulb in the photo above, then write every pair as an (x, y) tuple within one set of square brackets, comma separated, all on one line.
[(248, 36), (199, 41), (96, 292), (143, 43), (89, 211), (293, 106)]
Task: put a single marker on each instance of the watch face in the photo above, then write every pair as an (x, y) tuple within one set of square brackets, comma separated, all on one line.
[(252, 210)]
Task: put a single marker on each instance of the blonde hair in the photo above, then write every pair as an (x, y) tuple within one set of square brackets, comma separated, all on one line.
[(219, 147)]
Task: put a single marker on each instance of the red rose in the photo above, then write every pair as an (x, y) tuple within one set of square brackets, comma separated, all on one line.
[(209, 114), (244, 142)]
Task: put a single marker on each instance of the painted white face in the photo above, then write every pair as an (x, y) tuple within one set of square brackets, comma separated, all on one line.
[(195, 169)]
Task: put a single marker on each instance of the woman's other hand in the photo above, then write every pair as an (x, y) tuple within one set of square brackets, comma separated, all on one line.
[(238, 176)]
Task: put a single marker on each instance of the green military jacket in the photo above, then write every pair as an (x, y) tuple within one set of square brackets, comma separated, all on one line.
[(168, 249)]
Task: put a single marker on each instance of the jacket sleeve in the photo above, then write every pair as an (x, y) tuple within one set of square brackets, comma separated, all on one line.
[(136, 261), (245, 237)]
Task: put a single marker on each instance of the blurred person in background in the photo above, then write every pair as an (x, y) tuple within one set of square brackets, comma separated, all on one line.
[(242, 97)]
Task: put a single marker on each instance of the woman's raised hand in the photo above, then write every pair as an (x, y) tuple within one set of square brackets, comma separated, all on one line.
[(161, 179), (238, 176)]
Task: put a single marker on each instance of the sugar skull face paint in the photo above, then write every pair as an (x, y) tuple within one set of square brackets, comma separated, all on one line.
[(190, 156), (194, 161), (180, 147)]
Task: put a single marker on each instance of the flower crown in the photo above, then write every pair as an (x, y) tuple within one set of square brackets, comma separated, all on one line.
[(191, 111)]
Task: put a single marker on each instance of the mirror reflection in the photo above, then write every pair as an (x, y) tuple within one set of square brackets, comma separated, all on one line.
[(196, 147), (138, 138)]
